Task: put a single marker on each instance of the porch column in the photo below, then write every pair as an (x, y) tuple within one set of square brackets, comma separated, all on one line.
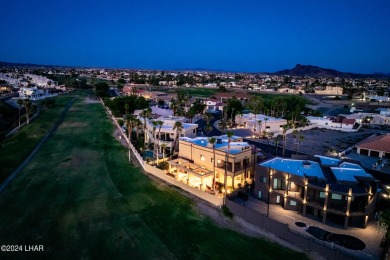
[(325, 202), (324, 217), (304, 197), (365, 221), (348, 208)]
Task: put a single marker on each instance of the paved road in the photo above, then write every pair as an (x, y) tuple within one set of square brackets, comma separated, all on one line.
[(36, 149)]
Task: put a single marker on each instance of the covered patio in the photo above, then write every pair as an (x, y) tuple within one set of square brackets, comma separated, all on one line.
[(191, 174)]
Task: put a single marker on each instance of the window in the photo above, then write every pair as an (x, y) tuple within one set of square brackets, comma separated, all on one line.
[(293, 203), (259, 195), (212, 159), (322, 194), (336, 196), (278, 184), (263, 179), (181, 135), (194, 131)]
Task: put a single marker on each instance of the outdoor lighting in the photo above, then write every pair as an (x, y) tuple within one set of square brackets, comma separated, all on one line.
[(219, 161), (304, 201), (385, 196), (202, 158), (292, 185)]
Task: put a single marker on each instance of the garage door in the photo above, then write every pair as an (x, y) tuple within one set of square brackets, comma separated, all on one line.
[(364, 152), (374, 154)]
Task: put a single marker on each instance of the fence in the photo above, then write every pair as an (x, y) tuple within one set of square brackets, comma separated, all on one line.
[(282, 230)]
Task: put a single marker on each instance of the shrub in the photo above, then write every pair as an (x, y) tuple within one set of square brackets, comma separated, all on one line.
[(226, 211)]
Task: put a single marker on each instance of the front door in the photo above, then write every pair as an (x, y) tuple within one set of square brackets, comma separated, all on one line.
[(277, 199)]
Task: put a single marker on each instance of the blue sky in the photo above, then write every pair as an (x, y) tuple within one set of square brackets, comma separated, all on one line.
[(252, 36)]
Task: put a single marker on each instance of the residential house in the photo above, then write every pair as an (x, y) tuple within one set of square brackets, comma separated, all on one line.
[(375, 146), (268, 124), (200, 165), (167, 135), (329, 90), (325, 187)]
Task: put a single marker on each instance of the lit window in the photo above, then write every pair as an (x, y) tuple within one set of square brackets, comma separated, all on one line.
[(293, 203)]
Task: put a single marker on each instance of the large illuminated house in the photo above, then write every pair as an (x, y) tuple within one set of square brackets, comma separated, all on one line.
[(202, 164), (325, 187), (261, 124), (33, 93)]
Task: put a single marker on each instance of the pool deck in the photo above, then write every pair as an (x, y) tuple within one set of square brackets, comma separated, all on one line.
[(371, 235)]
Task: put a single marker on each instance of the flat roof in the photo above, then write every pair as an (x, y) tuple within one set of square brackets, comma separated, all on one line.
[(236, 145), (349, 174), (327, 160), (302, 168)]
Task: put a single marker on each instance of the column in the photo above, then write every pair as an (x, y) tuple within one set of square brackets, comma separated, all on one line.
[(304, 197), (325, 202), (348, 208)]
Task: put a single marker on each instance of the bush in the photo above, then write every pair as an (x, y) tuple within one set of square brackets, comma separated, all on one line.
[(163, 165), (226, 211)]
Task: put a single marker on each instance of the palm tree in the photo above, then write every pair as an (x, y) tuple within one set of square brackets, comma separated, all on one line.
[(260, 124), (212, 141), (294, 135), (229, 135), (20, 102), (138, 124), (222, 125), (265, 123), (146, 113), (277, 141), (178, 126), (301, 138), (126, 108), (160, 124), (130, 120), (27, 105), (163, 146), (129, 125), (285, 128), (154, 123), (208, 128)]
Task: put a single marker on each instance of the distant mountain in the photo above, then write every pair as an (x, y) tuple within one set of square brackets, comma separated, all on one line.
[(17, 64), (315, 71)]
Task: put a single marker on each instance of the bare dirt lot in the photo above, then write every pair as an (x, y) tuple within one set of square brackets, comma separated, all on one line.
[(328, 142)]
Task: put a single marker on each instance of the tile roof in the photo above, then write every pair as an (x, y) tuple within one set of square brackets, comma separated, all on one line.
[(376, 142)]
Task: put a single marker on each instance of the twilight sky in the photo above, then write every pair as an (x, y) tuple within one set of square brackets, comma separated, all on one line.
[(235, 35)]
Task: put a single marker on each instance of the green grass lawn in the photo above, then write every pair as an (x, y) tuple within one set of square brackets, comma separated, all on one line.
[(15, 149), (80, 198)]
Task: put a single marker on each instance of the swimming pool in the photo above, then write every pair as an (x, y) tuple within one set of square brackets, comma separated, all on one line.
[(147, 154)]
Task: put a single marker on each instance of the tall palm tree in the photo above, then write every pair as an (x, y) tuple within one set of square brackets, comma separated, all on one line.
[(265, 123), (160, 124), (130, 119), (277, 141), (155, 124), (222, 125), (138, 124), (301, 138), (260, 125), (178, 126), (146, 113), (27, 105), (294, 135), (20, 102), (285, 127), (212, 141), (126, 108), (164, 147), (229, 135)]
